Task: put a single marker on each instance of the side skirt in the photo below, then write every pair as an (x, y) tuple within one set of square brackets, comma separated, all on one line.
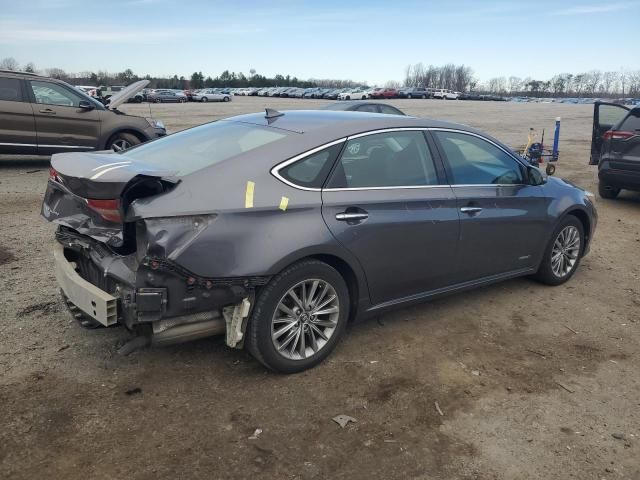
[(441, 292)]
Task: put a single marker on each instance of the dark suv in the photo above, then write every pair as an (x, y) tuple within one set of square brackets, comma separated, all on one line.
[(42, 116), (615, 148)]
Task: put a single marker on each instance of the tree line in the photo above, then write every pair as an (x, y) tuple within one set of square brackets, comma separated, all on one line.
[(196, 80), (452, 77), (589, 84)]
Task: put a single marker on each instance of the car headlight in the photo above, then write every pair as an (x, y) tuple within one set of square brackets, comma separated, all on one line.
[(155, 123)]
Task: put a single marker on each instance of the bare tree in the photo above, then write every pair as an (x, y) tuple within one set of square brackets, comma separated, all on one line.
[(592, 81), (634, 83), (58, 73), (515, 84), (608, 81), (9, 63)]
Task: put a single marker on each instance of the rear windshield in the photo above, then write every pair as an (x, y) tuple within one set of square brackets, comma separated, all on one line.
[(203, 146)]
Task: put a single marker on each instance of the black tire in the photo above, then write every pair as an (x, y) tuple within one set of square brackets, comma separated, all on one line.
[(545, 272), (122, 141), (204, 99), (183, 100), (607, 191), (226, 99), (409, 96), (158, 100), (258, 333)]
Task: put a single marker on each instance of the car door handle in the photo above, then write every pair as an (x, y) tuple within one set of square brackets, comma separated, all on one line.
[(351, 216), (471, 210), (48, 111)]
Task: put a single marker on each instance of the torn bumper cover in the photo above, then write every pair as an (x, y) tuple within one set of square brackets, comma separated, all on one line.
[(149, 295)]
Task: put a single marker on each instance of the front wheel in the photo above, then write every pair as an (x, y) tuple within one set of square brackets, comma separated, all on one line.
[(298, 317), (204, 99), (226, 99), (563, 253), (122, 141)]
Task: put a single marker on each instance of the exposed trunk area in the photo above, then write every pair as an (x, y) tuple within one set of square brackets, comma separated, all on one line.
[(91, 193)]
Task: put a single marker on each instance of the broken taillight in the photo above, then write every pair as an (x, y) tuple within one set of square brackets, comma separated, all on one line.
[(53, 175), (107, 209), (618, 135)]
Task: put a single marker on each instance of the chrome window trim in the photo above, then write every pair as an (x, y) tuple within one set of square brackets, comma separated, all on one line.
[(464, 132), (276, 169)]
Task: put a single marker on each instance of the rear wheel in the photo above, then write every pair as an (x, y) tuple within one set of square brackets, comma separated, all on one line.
[(563, 253), (122, 141), (298, 317), (607, 191)]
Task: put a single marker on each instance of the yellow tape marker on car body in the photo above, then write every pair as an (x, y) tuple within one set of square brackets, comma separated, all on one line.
[(284, 203), (248, 196)]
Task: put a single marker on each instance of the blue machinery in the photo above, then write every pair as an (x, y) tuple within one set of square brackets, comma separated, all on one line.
[(535, 153)]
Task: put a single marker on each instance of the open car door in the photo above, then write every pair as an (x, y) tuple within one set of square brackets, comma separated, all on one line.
[(605, 116)]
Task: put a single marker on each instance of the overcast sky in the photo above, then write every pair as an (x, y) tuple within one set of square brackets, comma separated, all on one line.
[(370, 41)]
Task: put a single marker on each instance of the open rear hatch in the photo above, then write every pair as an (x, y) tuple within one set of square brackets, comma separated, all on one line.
[(91, 192)]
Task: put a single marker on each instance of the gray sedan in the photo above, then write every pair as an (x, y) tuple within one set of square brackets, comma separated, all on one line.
[(278, 229)]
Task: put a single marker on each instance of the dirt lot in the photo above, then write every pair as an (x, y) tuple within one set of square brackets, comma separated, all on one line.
[(534, 382)]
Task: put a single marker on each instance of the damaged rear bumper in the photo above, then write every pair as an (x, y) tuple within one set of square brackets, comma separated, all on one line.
[(151, 296), (94, 302)]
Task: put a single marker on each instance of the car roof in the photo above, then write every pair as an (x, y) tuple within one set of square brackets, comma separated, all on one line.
[(332, 124)]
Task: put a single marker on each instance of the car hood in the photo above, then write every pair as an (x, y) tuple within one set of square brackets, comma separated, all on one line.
[(126, 93)]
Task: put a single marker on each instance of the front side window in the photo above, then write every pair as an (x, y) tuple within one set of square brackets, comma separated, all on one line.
[(199, 147), (311, 171), (10, 90), (474, 161), (53, 94), (393, 159)]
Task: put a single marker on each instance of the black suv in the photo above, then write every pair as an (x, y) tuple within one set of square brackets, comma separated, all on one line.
[(615, 148)]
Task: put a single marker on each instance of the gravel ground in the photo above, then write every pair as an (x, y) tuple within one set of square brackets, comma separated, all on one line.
[(533, 382)]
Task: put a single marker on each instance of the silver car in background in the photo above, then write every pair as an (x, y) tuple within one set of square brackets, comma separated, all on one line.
[(210, 95)]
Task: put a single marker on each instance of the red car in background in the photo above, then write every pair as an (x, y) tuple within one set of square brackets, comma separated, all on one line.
[(384, 93)]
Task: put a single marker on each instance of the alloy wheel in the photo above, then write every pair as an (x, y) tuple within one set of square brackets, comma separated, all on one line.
[(565, 252), (119, 145), (305, 319)]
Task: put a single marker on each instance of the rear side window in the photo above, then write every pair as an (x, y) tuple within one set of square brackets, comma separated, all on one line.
[(394, 159), (632, 122), (609, 115), (10, 90), (311, 171), (200, 147)]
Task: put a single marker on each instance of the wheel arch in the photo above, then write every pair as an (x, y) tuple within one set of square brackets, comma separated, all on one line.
[(584, 219), (350, 271)]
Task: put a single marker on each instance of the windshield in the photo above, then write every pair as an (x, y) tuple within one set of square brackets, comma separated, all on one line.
[(191, 150)]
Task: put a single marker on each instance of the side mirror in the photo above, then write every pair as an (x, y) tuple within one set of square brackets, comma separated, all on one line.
[(536, 176), (86, 105)]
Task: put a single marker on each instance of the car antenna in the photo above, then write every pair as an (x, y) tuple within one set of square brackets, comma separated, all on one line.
[(271, 113)]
